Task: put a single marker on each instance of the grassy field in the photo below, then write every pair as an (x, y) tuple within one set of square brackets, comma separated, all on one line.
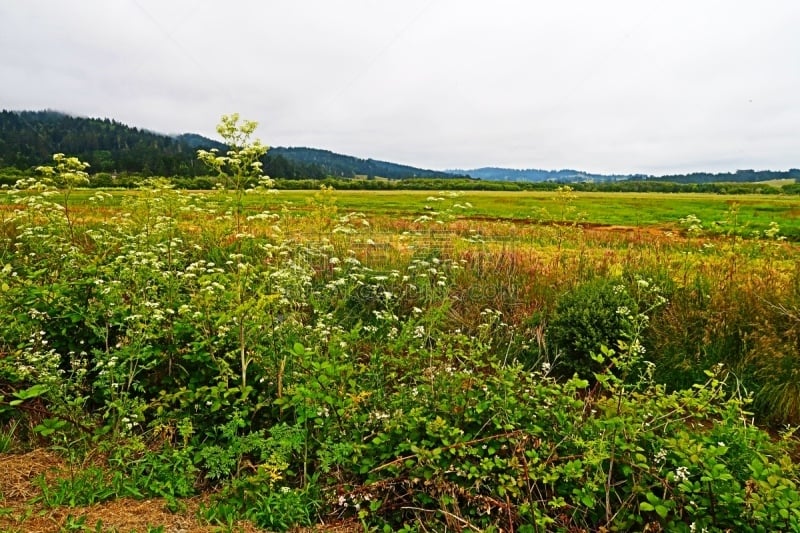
[(388, 361), (719, 214), (779, 183)]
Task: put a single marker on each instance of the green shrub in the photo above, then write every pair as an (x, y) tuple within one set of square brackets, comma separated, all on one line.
[(591, 315), (258, 498)]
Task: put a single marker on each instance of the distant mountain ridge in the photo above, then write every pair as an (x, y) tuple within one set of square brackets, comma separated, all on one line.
[(29, 138), (535, 175), (577, 176)]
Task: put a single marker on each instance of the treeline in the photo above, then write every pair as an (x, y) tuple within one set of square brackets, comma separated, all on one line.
[(9, 177), (576, 176), (666, 186), (29, 138), (478, 185), (740, 176)]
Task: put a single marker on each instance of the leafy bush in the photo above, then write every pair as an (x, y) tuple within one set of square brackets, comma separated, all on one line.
[(257, 498), (591, 315)]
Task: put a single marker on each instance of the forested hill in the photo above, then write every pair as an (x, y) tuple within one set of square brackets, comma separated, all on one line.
[(535, 174), (740, 176), (29, 138), (577, 176), (346, 166)]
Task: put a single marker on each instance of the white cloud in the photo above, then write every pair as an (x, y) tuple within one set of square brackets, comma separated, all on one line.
[(616, 86)]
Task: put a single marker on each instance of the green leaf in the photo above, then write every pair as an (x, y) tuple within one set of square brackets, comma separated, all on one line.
[(644, 506), (757, 467), (49, 426), (32, 392), (662, 511)]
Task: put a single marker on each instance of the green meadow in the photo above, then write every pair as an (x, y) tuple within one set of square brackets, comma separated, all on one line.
[(719, 214)]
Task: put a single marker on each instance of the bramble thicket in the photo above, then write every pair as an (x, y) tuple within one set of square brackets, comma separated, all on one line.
[(300, 364)]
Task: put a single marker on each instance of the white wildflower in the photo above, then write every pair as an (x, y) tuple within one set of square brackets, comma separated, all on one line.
[(681, 473)]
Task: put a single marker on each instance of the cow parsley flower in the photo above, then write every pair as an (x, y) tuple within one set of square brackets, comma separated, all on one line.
[(681, 473)]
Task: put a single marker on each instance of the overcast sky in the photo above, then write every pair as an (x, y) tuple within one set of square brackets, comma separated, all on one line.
[(603, 86)]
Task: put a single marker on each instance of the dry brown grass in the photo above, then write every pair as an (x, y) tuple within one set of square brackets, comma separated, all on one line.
[(18, 474)]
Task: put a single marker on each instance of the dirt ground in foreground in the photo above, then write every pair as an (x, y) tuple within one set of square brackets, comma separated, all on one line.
[(18, 473)]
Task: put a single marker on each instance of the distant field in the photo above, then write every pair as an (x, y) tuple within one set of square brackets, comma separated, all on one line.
[(718, 213), (778, 183), (625, 209)]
